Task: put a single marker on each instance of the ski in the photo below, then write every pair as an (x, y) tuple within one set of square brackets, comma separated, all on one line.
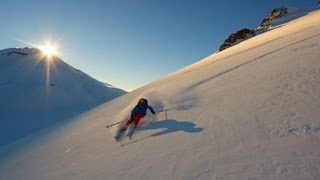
[(119, 134), (130, 131)]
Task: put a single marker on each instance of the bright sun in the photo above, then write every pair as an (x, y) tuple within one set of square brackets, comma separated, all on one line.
[(48, 49)]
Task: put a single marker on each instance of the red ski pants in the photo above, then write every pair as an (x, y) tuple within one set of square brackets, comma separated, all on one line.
[(135, 120)]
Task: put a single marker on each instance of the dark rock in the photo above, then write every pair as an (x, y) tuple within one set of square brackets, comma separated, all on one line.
[(245, 33), (274, 14), (236, 38), (15, 52)]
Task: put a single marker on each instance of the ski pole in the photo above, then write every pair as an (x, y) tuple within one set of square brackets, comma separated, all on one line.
[(166, 112), (114, 123), (163, 110)]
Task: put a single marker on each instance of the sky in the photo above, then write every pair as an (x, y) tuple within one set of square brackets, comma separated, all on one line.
[(130, 43)]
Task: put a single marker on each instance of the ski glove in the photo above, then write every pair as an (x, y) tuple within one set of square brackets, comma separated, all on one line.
[(153, 112)]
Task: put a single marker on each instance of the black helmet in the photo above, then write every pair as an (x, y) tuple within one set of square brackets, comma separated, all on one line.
[(143, 101)]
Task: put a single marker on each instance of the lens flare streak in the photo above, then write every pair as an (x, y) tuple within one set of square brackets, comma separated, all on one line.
[(48, 50)]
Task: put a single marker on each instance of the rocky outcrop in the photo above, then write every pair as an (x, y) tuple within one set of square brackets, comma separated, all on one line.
[(273, 15), (246, 33), (236, 38)]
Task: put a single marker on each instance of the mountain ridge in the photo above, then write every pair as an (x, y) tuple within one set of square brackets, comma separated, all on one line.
[(35, 90)]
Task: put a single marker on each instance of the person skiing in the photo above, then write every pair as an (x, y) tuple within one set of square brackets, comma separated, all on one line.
[(139, 111)]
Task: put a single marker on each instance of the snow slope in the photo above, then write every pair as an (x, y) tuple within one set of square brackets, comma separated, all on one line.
[(249, 112), (36, 92)]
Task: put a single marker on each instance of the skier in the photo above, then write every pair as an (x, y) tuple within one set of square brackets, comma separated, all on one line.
[(139, 111)]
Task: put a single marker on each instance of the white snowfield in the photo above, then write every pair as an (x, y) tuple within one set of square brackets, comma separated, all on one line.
[(249, 112)]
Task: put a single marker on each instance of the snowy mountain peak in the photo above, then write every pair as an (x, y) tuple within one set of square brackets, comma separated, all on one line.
[(36, 93)]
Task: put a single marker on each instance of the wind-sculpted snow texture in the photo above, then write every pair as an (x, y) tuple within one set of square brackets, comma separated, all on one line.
[(249, 112)]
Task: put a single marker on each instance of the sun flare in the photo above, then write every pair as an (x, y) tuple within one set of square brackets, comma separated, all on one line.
[(48, 49)]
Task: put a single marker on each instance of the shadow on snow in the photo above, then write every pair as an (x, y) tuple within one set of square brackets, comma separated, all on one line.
[(169, 126)]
